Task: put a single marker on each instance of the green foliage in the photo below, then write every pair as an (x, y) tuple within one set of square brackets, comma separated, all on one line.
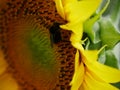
[(103, 29), (111, 60), (108, 33), (91, 26)]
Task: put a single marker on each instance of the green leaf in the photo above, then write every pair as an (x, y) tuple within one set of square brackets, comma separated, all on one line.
[(112, 12), (91, 26), (95, 46), (108, 58), (108, 33), (116, 11), (92, 46), (92, 30), (116, 85), (111, 60), (102, 56)]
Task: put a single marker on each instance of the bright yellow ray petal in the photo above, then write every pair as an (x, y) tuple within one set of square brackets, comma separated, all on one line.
[(82, 87), (60, 9), (77, 30), (92, 84), (80, 10), (75, 11), (78, 74), (77, 61), (91, 55), (106, 73)]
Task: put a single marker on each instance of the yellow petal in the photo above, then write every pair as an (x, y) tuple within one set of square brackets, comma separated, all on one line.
[(60, 9), (82, 10), (91, 54), (78, 74), (77, 30), (106, 73), (77, 10), (109, 74), (92, 84), (77, 61)]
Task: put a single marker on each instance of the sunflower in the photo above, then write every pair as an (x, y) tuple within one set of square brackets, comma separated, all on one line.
[(36, 53), (89, 73), (41, 49)]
